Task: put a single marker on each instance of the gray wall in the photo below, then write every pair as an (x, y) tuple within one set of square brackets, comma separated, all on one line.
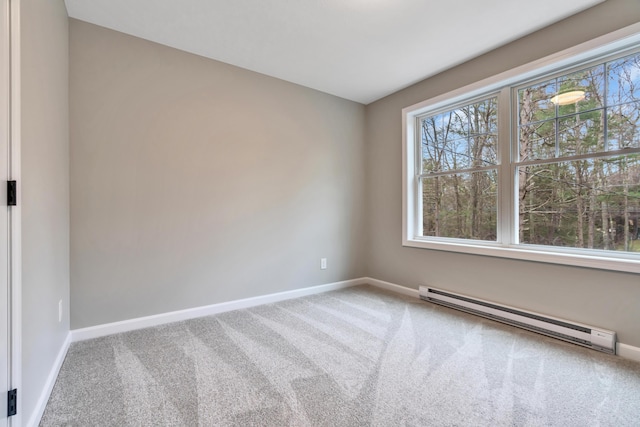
[(602, 298), (45, 191), (194, 182)]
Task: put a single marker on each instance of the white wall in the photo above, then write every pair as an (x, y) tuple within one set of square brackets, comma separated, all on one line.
[(601, 298), (194, 182), (44, 187)]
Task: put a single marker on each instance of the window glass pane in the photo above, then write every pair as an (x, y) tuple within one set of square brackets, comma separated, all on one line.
[(537, 121), (463, 138), (485, 147), (457, 155), (483, 117), (460, 205), (589, 81), (582, 204), (565, 118), (581, 133), (456, 124), (444, 127), (623, 79), (534, 103), (444, 143), (623, 126), (538, 141)]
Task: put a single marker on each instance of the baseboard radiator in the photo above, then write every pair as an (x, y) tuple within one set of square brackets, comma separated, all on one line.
[(584, 335)]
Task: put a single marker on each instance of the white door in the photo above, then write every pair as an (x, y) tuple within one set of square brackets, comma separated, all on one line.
[(4, 215)]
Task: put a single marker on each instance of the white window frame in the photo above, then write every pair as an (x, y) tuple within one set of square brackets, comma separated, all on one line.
[(506, 245)]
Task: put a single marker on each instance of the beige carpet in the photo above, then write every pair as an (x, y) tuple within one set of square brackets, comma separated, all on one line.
[(354, 357)]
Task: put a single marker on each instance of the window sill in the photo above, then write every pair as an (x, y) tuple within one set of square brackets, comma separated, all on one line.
[(627, 263)]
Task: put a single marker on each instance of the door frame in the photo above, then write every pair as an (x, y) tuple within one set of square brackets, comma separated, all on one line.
[(15, 241), (5, 269)]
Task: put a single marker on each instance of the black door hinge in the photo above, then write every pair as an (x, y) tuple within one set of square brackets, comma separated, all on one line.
[(12, 198), (12, 402)]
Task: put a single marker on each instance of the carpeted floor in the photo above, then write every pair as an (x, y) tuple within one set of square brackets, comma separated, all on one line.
[(354, 357)]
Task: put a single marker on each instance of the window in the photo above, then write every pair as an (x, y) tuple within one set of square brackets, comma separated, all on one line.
[(543, 166), (459, 171)]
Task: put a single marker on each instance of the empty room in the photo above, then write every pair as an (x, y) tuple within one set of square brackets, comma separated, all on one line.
[(320, 213)]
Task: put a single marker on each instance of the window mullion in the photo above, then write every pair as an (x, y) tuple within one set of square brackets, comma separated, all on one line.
[(417, 226), (505, 169)]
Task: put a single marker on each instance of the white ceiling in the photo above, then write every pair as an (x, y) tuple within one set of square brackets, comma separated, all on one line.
[(360, 50)]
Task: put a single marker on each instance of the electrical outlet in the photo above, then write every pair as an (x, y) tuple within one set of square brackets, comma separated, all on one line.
[(323, 263), (59, 311)]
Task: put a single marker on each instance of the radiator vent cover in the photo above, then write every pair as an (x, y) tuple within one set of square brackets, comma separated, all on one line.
[(584, 335)]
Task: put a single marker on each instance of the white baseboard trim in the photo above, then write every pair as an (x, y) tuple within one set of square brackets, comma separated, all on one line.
[(623, 350), (37, 413), (208, 310), (392, 287), (628, 351)]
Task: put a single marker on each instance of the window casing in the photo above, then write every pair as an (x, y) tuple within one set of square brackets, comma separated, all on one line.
[(506, 170)]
